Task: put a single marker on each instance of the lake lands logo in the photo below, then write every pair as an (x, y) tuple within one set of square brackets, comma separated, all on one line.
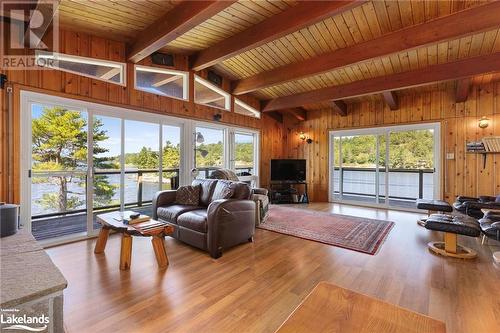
[(30, 27), (23, 322)]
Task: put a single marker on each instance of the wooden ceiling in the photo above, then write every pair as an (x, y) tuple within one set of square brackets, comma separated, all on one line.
[(352, 24)]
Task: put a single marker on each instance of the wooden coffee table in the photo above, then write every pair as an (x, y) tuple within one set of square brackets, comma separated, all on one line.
[(329, 308), (110, 221)]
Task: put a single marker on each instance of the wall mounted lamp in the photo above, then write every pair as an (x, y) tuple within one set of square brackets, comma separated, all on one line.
[(303, 137), (483, 122)]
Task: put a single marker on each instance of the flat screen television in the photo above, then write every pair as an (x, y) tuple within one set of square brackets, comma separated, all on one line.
[(290, 170)]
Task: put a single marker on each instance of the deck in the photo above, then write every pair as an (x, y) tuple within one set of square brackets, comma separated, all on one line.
[(59, 226)]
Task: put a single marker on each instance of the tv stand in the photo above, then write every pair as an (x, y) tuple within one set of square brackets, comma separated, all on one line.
[(286, 192)]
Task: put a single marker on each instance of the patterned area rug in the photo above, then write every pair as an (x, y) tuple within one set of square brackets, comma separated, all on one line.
[(350, 232)]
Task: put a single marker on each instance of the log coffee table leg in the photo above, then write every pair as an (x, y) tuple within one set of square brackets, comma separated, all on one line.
[(158, 242), (126, 252), (100, 245)]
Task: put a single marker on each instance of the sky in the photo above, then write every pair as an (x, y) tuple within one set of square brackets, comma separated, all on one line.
[(141, 134)]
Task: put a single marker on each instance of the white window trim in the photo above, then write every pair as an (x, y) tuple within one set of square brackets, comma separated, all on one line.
[(184, 75), (211, 86), (255, 112), (84, 60)]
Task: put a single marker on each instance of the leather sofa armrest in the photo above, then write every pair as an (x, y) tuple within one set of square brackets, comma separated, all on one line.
[(496, 225), (486, 198), (465, 198), (481, 205), (162, 198), (262, 191), (229, 222)]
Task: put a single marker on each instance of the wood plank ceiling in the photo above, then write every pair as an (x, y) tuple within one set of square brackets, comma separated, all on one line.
[(366, 21)]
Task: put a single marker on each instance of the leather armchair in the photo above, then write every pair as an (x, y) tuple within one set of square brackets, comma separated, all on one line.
[(472, 206), (490, 226), (215, 224)]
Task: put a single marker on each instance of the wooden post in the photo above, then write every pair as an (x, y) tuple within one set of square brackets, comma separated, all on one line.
[(450, 242)]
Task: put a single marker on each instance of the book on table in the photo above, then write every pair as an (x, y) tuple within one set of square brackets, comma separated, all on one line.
[(149, 225)]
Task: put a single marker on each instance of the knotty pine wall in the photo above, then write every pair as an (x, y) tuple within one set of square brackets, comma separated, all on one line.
[(459, 123), (78, 87)]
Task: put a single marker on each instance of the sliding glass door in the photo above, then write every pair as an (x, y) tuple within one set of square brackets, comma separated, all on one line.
[(65, 185), (391, 166), (58, 170)]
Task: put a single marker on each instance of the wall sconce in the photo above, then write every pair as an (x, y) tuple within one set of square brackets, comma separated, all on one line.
[(483, 122), (303, 137)]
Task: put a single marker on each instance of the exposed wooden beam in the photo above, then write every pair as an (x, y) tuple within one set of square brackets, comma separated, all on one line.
[(431, 74), (340, 107), (276, 116), (391, 99), (295, 18), (463, 88), (173, 24), (110, 73), (456, 25), (167, 80), (299, 113), (39, 25)]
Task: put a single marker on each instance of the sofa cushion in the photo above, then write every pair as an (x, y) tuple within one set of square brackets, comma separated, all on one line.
[(194, 220), (188, 195), (206, 190), (223, 190), (171, 213), (242, 191), (224, 174)]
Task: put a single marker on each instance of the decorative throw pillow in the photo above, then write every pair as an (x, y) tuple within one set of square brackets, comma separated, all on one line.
[(223, 190), (188, 195)]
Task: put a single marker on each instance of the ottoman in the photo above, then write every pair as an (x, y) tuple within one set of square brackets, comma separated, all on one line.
[(453, 226), (432, 206)]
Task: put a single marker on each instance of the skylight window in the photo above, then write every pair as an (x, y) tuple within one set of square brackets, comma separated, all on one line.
[(162, 81), (206, 93), (245, 109), (105, 70)]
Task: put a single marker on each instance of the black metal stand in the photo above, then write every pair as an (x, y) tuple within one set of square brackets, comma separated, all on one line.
[(284, 192)]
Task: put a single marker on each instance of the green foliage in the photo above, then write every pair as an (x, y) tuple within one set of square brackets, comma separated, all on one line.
[(59, 138), (407, 150), (244, 154)]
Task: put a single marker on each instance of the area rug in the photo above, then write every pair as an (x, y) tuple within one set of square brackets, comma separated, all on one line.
[(349, 232)]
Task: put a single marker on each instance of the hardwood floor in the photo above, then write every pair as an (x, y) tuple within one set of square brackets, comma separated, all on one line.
[(254, 287)]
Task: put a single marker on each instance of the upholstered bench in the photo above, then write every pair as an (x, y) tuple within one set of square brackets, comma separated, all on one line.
[(453, 226), (430, 206)]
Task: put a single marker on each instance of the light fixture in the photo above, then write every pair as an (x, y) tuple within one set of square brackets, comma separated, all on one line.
[(303, 137), (199, 137), (483, 122)]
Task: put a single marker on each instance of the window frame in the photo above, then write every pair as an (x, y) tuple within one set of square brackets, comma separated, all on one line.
[(183, 74), (257, 113), (213, 87), (84, 60)]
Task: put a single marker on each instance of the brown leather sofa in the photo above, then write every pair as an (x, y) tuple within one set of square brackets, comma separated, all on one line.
[(214, 225)]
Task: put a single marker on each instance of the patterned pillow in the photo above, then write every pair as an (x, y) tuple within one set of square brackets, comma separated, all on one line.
[(188, 195), (223, 190)]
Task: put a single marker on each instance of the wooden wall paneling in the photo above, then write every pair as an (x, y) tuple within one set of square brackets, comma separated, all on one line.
[(99, 50), (3, 144), (70, 45)]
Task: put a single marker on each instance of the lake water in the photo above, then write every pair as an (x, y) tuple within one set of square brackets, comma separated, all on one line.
[(77, 189)]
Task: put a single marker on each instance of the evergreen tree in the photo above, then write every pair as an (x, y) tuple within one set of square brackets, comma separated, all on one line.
[(60, 144)]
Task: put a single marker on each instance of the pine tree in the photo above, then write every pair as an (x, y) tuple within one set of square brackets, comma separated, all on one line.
[(59, 138)]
